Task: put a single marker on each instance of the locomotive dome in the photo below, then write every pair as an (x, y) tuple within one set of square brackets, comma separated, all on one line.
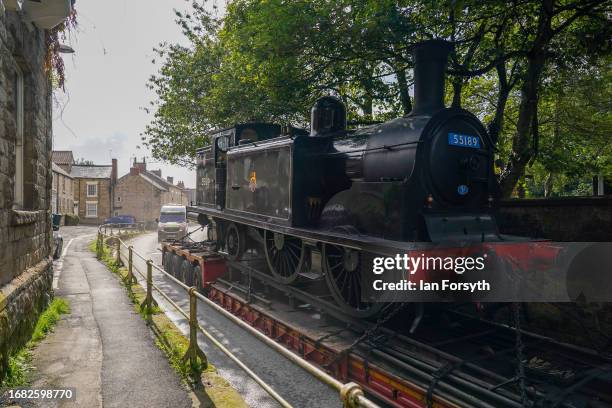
[(328, 115)]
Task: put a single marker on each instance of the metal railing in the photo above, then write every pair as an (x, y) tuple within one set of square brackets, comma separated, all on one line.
[(119, 228), (351, 394)]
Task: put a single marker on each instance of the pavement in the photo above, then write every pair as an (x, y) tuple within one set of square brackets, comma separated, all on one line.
[(103, 348), (105, 351), (294, 384)]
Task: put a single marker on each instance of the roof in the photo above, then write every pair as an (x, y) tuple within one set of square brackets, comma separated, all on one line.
[(157, 181), (91, 171), (57, 169), (153, 180), (62, 157)]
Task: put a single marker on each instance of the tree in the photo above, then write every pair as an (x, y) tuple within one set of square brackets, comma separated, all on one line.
[(270, 60)]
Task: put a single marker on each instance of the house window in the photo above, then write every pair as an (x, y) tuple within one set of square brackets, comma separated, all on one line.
[(19, 139), (119, 199), (92, 189), (91, 209)]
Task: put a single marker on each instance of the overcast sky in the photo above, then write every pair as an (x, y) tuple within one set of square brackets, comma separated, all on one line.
[(100, 116)]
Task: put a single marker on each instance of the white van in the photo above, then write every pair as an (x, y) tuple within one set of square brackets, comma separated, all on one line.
[(172, 222)]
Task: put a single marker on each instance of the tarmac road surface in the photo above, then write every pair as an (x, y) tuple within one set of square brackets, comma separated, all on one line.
[(293, 383)]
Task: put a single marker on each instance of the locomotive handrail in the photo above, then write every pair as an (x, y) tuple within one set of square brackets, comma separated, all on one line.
[(351, 394)]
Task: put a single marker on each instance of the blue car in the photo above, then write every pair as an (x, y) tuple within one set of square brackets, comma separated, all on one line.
[(121, 219)]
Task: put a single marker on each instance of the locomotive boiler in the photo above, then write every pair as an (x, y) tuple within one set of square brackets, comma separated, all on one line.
[(319, 204)]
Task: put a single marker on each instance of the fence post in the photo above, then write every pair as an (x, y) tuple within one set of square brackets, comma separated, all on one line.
[(194, 351), (118, 260), (148, 302), (130, 279), (99, 245)]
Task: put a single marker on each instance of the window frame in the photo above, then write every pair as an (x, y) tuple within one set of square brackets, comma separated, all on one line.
[(87, 213), (91, 184), (19, 176)]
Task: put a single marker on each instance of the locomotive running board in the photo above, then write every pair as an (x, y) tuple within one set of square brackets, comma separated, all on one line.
[(359, 242)]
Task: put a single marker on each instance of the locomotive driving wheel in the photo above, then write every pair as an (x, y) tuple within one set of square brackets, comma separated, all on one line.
[(234, 242), (286, 256), (343, 267)]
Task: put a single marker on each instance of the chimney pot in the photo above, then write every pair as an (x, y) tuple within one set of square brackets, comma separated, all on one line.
[(114, 171)]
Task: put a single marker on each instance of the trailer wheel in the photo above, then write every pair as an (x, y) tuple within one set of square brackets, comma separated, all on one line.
[(168, 262), (176, 266), (165, 258), (186, 272), (197, 277)]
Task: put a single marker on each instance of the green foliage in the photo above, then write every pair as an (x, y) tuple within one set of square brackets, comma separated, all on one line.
[(514, 64), (19, 368), (71, 219), (49, 318), (20, 363)]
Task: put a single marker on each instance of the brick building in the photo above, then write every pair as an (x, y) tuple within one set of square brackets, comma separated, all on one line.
[(93, 191), (26, 269), (142, 192), (62, 196)]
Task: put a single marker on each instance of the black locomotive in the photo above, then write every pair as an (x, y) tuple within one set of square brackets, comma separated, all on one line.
[(318, 201)]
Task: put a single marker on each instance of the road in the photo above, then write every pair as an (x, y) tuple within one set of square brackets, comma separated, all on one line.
[(293, 383)]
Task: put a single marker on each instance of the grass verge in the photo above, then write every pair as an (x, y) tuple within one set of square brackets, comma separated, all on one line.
[(218, 392), (20, 363)]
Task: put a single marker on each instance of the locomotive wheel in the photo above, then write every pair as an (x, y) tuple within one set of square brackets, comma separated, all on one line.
[(234, 242), (342, 268), (285, 256)]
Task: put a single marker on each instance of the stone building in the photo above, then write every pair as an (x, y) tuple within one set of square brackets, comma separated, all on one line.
[(64, 159), (93, 191), (26, 269), (142, 192), (62, 196)]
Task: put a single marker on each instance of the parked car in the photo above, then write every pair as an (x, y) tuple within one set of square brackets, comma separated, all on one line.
[(121, 219), (172, 222), (58, 241)]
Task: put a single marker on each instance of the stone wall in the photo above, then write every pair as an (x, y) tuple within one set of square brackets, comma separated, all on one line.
[(25, 228), (62, 194), (137, 197), (559, 219), (21, 301)]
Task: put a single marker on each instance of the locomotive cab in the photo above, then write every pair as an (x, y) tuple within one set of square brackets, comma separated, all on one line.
[(212, 159)]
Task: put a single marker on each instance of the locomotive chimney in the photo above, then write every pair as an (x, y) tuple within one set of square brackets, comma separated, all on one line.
[(430, 58)]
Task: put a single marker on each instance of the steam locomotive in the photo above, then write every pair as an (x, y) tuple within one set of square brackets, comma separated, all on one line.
[(318, 201)]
